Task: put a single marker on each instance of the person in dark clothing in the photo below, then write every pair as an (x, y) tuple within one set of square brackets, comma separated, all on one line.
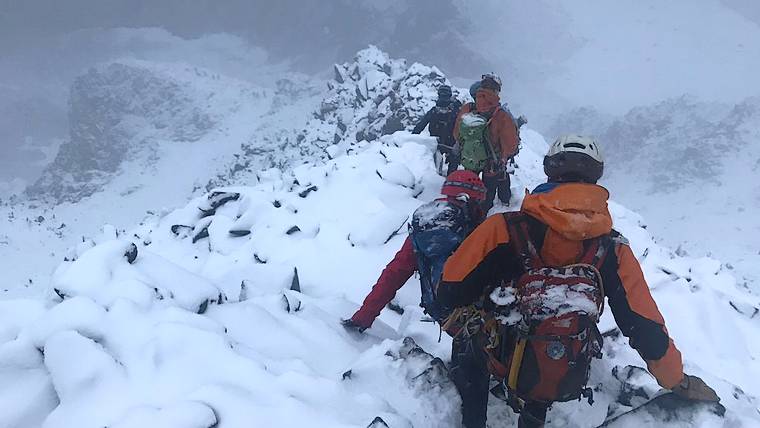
[(440, 122)]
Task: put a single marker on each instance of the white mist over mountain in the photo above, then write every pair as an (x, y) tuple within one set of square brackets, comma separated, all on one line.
[(554, 56)]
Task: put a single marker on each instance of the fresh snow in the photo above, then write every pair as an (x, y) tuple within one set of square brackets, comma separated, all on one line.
[(560, 300), (226, 311)]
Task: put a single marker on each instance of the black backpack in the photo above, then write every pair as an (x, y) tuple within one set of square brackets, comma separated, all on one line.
[(436, 230), (442, 120)]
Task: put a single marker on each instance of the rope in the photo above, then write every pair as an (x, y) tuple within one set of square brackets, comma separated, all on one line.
[(601, 284)]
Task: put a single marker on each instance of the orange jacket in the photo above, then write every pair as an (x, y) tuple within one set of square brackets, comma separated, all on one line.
[(502, 132), (565, 215)]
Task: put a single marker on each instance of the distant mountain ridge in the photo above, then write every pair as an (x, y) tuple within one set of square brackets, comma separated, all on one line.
[(123, 110), (672, 143)]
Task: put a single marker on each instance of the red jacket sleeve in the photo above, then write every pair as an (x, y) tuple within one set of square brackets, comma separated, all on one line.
[(394, 276)]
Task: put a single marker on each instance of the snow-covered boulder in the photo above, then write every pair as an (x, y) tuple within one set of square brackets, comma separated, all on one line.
[(372, 96)]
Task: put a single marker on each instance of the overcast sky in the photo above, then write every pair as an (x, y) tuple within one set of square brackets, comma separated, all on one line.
[(552, 54)]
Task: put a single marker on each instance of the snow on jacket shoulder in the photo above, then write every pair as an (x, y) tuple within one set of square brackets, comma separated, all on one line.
[(567, 219), (394, 276)]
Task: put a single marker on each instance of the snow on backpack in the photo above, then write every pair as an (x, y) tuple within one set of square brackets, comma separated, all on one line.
[(547, 355), (436, 230), (476, 150)]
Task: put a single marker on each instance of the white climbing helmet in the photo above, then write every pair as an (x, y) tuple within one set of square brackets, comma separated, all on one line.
[(578, 144), (574, 158)]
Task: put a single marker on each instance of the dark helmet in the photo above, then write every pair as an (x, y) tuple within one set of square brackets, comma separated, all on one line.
[(474, 89), (490, 81), (444, 91), (466, 182), (574, 158)]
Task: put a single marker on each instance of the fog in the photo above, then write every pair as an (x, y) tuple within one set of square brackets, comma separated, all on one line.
[(553, 55)]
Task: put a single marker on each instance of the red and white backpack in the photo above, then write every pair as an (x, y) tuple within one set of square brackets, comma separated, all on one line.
[(545, 356)]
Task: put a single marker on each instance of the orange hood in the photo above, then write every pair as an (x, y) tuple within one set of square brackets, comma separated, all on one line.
[(576, 211)]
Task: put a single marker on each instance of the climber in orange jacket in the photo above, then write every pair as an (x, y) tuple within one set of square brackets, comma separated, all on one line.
[(562, 217), (502, 136)]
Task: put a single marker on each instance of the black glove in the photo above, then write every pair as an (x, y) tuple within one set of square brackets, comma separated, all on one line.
[(694, 388), (350, 325)]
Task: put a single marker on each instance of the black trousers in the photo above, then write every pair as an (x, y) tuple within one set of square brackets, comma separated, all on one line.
[(497, 182), (469, 372)]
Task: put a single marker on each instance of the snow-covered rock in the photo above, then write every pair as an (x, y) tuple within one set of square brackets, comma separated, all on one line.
[(375, 95), (371, 96)]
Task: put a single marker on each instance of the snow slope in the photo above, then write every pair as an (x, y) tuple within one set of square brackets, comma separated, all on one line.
[(184, 323)]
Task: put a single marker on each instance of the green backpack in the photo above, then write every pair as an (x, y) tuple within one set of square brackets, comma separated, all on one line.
[(473, 141)]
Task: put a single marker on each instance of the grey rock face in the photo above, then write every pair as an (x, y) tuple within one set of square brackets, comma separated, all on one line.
[(371, 96), (121, 112), (674, 142), (114, 112)]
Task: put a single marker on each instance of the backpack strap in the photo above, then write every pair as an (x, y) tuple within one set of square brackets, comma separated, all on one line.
[(521, 237), (595, 253), (527, 237), (595, 250), (486, 136)]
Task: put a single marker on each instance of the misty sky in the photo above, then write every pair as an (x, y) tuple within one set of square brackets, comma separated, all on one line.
[(552, 54)]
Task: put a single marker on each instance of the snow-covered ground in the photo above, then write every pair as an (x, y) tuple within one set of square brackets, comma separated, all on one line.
[(225, 312), (205, 324)]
